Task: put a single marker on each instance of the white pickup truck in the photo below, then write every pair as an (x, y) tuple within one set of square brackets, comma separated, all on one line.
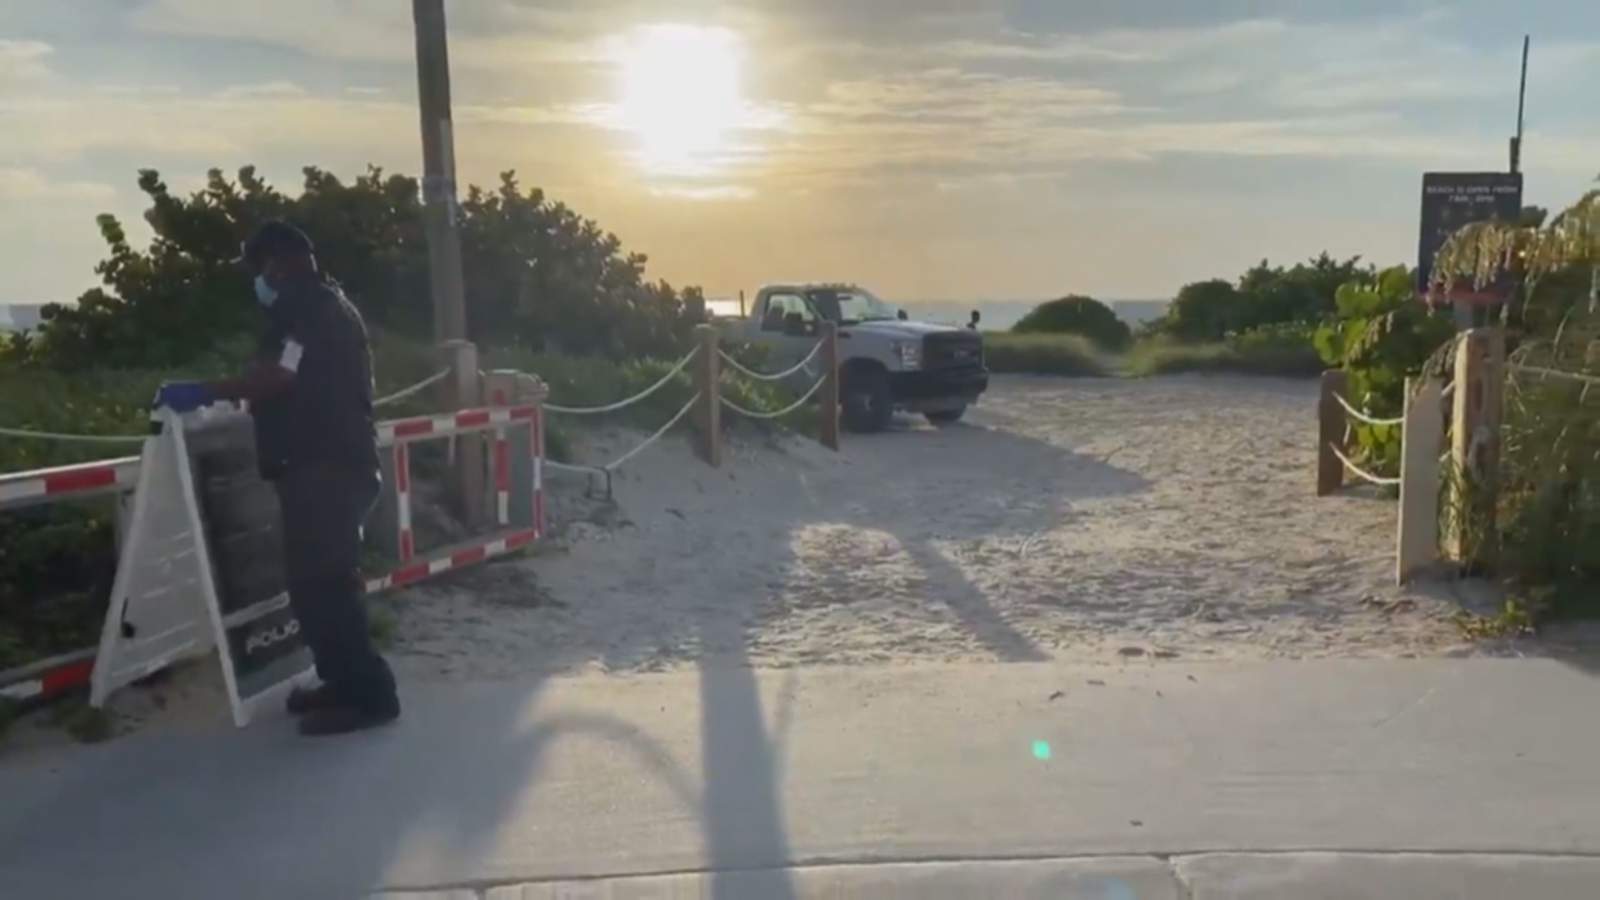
[(886, 362)]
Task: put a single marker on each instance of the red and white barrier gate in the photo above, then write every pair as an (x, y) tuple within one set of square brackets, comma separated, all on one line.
[(519, 512), (519, 524)]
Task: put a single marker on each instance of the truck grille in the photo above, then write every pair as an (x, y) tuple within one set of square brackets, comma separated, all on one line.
[(952, 350)]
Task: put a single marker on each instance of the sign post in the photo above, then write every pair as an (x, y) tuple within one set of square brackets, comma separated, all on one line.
[(203, 569)]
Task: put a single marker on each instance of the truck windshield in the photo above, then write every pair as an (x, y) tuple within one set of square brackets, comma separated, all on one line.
[(849, 305)]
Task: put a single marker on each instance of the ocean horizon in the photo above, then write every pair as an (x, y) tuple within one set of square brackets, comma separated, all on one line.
[(1000, 315)]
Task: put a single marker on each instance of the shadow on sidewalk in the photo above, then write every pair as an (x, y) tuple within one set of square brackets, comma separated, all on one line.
[(264, 813)]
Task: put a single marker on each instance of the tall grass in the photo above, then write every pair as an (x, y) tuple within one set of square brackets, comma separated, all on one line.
[(1548, 510), (1268, 352), (1043, 354)]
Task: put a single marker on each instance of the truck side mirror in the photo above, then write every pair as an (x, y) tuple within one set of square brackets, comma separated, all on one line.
[(794, 324), (901, 315)]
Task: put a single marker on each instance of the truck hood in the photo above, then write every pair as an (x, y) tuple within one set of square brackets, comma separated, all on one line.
[(896, 329)]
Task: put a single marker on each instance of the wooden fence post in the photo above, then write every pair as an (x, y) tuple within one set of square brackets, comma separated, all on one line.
[(707, 378), (462, 390), (828, 405), (1475, 431), (1421, 437), (1330, 432)]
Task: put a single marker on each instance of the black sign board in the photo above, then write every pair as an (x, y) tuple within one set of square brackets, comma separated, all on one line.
[(1453, 200), (266, 651), (242, 525)]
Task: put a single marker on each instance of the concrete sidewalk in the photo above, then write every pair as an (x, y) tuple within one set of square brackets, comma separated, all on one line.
[(1444, 778)]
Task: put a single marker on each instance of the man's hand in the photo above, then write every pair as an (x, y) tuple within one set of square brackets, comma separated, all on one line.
[(184, 396)]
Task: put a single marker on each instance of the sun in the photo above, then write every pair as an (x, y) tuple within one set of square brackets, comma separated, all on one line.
[(680, 95)]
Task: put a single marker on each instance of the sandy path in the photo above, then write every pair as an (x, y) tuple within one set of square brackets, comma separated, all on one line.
[(1068, 519)]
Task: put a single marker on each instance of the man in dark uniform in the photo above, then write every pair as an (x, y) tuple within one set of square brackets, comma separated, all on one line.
[(310, 393)]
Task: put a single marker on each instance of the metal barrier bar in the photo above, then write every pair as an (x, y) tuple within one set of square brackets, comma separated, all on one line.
[(467, 421), (457, 557), (501, 457), (47, 677), (402, 495), (37, 486), (536, 428)]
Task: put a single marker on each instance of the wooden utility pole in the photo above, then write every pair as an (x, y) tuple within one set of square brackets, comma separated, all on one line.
[(439, 171), (444, 246)]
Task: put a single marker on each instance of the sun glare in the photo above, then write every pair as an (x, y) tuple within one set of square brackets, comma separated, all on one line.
[(680, 96)]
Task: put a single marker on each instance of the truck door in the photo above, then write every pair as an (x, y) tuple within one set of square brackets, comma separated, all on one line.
[(789, 330)]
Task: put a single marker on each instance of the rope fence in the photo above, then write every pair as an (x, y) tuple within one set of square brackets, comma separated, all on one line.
[(1556, 373), (623, 404), (1337, 424), (403, 393), (752, 414), (63, 437), (609, 469), (1363, 417), (1359, 472), (770, 376)]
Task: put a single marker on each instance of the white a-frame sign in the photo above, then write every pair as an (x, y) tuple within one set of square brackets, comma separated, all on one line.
[(202, 569)]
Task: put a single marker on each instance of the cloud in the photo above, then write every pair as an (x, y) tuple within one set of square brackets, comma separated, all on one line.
[(22, 61), (223, 128), (268, 89), (1121, 45), (704, 192), (952, 95), (339, 29), (137, 90), (482, 35), (26, 184)]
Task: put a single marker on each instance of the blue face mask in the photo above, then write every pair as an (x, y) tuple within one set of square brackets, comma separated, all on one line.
[(265, 294)]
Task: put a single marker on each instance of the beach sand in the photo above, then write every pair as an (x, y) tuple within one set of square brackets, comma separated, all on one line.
[(1082, 519)]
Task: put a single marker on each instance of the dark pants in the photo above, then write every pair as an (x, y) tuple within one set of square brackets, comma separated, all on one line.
[(323, 509)]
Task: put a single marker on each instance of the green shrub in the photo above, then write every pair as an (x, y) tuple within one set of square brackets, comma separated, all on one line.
[(1204, 311), (541, 273), (1042, 354), (1381, 336), (1083, 316), (1266, 295)]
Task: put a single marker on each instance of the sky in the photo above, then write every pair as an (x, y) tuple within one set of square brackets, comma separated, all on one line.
[(924, 148)]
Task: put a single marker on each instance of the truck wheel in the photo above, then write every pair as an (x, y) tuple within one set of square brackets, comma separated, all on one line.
[(946, 416), (868, 402)]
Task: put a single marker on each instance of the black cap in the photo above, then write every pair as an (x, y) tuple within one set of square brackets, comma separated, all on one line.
[(273, 239)]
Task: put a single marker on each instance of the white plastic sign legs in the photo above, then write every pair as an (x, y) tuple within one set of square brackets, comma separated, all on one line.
[(165, 604)]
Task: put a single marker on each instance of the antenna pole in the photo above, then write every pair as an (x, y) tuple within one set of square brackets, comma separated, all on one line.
[(1522, 97)]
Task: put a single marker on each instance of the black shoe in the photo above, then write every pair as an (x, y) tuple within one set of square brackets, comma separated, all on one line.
[(345, 719), (304, 700)]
